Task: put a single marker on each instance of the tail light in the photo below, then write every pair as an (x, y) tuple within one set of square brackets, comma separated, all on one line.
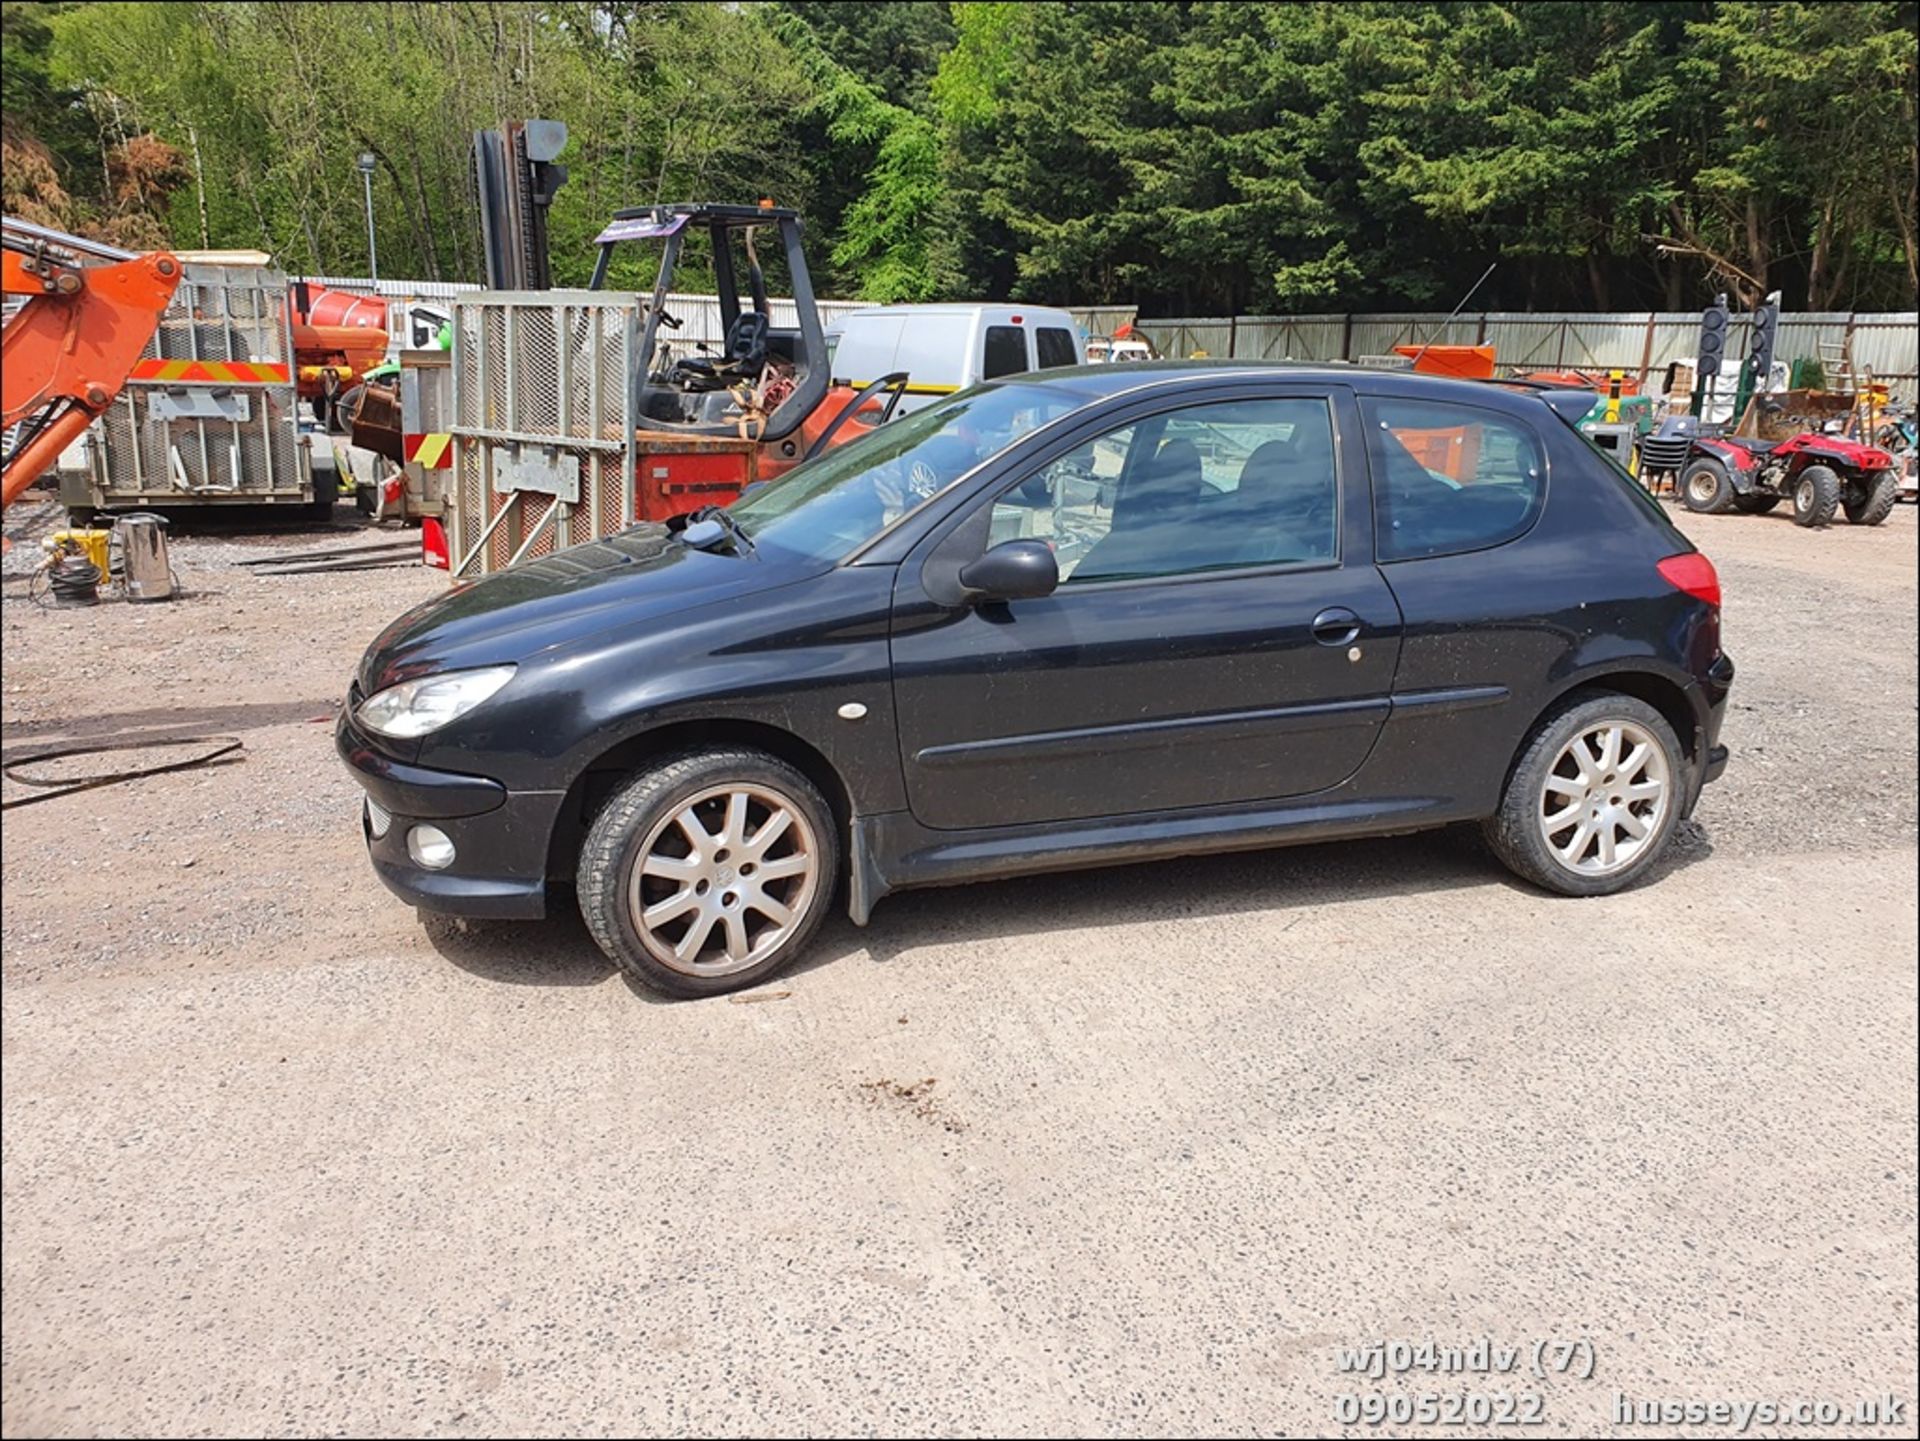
[(433, 545), (1694, 574)]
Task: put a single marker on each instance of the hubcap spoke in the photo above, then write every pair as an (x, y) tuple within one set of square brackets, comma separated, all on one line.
[(1563, 818), (1633, 825), (1577, 847), (771, 829), (696, 833), (696, 936), (1644, 791), (1610, 749), (736, 935), (735, 833), (673, 868), (1582, 756), (1636, 760), (660, 912), (773, 910), (1560, 786), (795, 865)]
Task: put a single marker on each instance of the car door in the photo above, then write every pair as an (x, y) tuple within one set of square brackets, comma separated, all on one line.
[(1220, 633)]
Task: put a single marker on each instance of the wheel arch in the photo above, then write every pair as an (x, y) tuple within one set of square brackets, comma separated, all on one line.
[(598, 778), (1671, 697)]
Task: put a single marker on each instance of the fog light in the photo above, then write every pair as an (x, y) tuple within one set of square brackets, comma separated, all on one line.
[(378, 821), (430, 847)]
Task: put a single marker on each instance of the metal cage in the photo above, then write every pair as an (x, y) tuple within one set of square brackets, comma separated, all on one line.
[(542, 423)]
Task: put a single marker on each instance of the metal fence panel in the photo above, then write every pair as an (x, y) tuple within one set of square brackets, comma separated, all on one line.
[(1633, 341)]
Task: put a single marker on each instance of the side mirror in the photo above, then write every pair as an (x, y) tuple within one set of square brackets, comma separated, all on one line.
[(1012, 570)]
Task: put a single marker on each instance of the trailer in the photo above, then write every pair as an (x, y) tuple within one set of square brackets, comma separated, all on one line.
[(209, 414)]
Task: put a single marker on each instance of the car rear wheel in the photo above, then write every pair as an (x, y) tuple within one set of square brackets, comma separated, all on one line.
[(1706, 487), (1816, 495), (1594, 798), (1870, 500), (709, 871)]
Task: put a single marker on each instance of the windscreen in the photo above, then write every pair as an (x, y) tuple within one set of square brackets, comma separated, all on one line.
[(829, 507)]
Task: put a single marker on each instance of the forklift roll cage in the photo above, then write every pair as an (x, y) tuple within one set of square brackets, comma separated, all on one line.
[(804, 345)]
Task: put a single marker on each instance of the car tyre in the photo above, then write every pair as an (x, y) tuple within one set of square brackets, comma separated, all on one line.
[(1816, 495), (709, 871), (1705, 487), (1871, 501), (1595, 828)]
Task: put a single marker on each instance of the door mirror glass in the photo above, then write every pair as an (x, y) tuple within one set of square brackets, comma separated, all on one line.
[(1017, 570)]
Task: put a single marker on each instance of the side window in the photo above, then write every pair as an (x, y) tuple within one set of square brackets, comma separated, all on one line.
[(1055, 346), (1449, 478), (1006, 350), (1210, 487)]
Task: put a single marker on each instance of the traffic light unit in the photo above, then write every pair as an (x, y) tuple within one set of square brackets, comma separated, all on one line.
[(1713, 335)]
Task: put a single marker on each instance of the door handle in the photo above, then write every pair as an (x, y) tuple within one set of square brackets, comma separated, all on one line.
[(1336, 625)]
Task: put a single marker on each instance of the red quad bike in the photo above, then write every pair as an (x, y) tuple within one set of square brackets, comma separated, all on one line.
[(1818, 473)]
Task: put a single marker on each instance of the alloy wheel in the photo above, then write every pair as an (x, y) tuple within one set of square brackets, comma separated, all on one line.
[(1605, 799), (724, 880)]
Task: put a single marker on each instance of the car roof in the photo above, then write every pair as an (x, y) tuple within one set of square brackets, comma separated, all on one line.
[(950, 308), (1101, 381)]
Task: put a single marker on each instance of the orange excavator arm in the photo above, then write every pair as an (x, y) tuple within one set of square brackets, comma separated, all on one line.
[(67, 351)]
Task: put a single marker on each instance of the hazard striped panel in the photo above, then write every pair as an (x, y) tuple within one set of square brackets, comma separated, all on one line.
[(433, 451), (213, 372)]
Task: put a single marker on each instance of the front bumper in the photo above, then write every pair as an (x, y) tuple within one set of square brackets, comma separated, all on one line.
[(500, 837)]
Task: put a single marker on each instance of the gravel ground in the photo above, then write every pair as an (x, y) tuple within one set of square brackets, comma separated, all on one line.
[(1116, 1152)]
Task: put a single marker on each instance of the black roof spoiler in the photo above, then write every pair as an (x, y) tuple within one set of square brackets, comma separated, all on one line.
[(1570, 402)]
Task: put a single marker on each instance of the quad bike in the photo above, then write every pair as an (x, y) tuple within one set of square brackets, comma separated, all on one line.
[(1817, 473)]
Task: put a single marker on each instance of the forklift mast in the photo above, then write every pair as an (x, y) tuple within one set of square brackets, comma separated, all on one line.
[(517, 177)]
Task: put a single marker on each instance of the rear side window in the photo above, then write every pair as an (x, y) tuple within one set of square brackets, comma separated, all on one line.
[(1449, 478), (1055, 346), (1006, 350)]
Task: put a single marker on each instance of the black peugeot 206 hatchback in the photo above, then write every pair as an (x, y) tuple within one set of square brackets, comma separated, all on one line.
[(1065, 619)]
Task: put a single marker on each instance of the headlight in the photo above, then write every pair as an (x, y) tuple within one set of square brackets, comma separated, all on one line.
[(415, 707)]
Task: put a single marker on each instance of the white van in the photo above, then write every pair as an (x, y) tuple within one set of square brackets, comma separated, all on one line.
[(944, 348)]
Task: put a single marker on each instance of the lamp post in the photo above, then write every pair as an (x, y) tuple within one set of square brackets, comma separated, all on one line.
[(366, 180)]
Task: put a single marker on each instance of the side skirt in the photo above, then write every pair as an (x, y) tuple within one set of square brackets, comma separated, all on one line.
[(893, 852)]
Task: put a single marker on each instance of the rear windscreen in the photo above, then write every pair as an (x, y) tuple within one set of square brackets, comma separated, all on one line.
[(1006, 350), (1055, 346)]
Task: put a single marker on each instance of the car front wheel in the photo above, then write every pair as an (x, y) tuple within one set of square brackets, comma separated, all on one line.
[(709, 871), (1594, 798)]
